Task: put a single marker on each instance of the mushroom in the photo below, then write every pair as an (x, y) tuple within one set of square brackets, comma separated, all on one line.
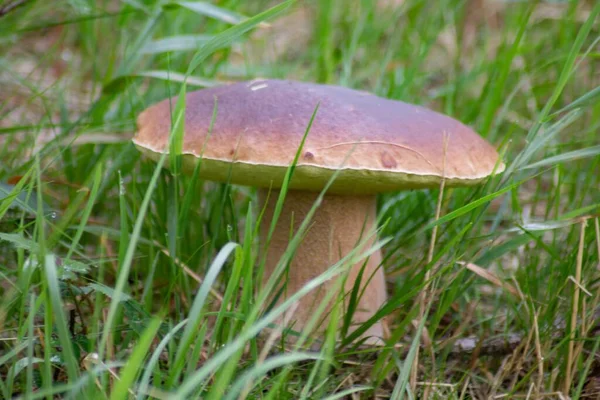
[(373, 145)]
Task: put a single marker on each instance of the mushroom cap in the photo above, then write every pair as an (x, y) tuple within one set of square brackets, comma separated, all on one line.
[(374, 144)]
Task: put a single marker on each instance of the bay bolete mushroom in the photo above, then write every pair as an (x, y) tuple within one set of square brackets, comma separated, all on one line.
[(374, 144)]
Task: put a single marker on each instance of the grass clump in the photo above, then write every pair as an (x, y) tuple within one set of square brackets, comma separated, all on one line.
[(119, 279)]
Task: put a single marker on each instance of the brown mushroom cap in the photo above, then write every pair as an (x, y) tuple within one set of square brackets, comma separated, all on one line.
[(377, 144)]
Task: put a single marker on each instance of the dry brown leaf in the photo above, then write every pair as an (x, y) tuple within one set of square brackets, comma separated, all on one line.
[(490, 277)]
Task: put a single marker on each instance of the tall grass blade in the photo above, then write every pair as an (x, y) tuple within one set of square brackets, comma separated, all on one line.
[(209, 10), (54, 299), (195, 314), (176, 43), (566, 157), (253, 375), (231, 34), (134, 364), (153, 361)]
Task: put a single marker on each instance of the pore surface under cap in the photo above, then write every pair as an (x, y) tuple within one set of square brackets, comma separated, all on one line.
[(377, 144)]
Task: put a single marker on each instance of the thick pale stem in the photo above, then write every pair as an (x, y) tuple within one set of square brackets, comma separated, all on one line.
[(338, 226)]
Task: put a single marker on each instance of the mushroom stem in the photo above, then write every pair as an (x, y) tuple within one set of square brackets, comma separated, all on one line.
[(339, 224)]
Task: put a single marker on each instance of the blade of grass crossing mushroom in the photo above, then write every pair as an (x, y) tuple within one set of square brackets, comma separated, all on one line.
[(228, 36), (316, 318), (190, 193), (274, 278), (356, 293), (287, 179), (323, 367), (353, 301), (301, 341), (252, 327), (123, 386), (226, 373), (424, 295), (395, 301), (295, 241), (177, 132)]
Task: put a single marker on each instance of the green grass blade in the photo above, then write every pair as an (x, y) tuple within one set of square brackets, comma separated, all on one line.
[(209, 10), (565, 157), (253, 375), (473, 205), (153, 361), (590, 98), (135, 362), (125, 265), (195, 314), (407, 364), (345, 393), (231, 34), (117, 83), (176, 43), (54, 299), (87, 211), (195, 379)]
